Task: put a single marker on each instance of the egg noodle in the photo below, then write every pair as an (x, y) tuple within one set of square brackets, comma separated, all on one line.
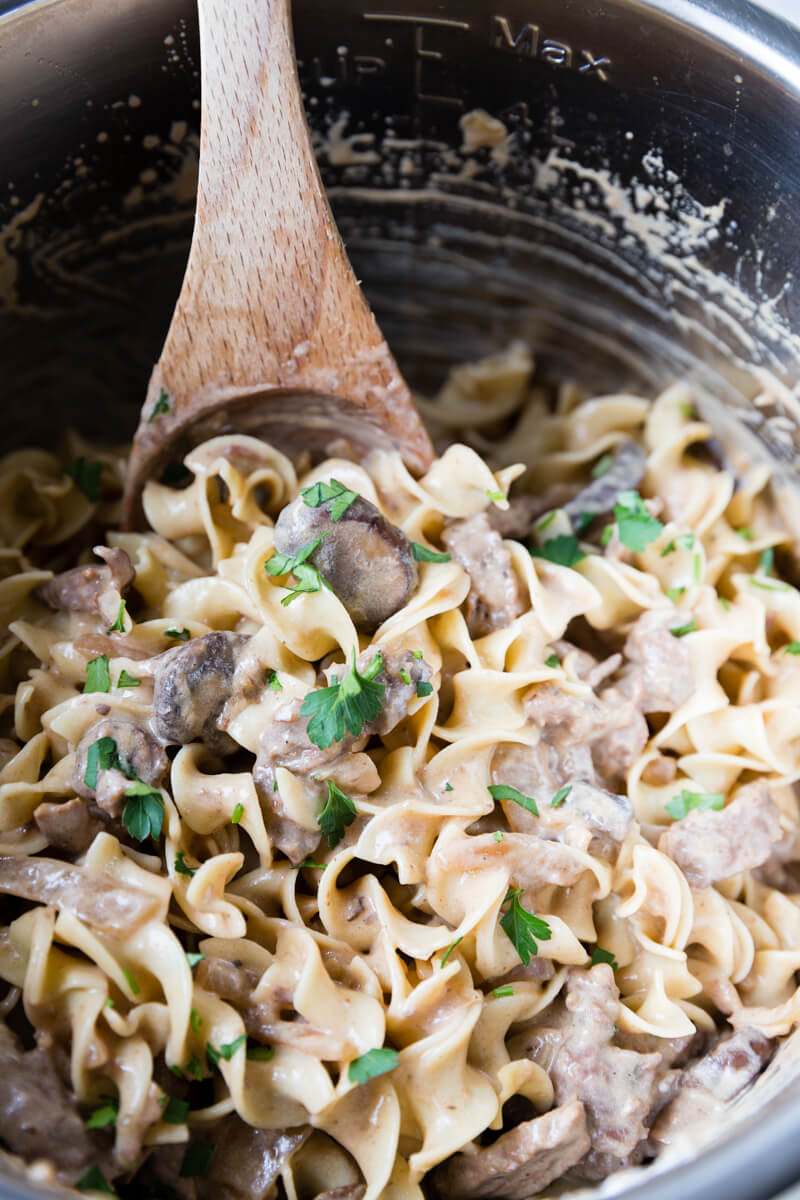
[(395, 993)]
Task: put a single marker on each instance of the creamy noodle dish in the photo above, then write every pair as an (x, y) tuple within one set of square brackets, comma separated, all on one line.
[(366, 836)]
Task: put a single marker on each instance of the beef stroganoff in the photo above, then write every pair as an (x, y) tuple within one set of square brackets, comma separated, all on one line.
[(364, 836)]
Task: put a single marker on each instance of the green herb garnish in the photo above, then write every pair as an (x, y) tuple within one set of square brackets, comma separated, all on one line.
[(195, 1021), (94, 1180), (563, 550), (370, 1065), (193, 957), (336, 493), (681, 630), (132, 984), (423, 554), (260, 1053), (126, 680), (97, 676), (180, 635), (561, 795), (766, 560), (602, 466), (87, 473), (745, 533), (307, 576), (552, 660), (603, 956), (685, 802), (674, 594), (176, 1112), (273, 683), (119, 624), (237, 814), (503, 791), (424, 688), (450, 949), (505, 990), (346, 705), (143, 814), (338, 813), (161, 406), (404, 675), (101, 1118), (546, 520), (182, 868), (226, 1050), (523, 928), (636, 527), (792, 648)]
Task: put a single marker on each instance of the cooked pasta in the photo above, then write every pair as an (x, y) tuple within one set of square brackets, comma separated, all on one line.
[(365, 836)]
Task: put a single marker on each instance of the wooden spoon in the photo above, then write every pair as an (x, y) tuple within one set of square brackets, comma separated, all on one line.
[(271, 334)]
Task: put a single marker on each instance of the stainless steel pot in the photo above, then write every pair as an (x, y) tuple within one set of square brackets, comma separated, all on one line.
[(633, 215)]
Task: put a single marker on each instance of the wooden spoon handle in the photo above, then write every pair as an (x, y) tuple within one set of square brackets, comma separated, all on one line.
[(269, 300)]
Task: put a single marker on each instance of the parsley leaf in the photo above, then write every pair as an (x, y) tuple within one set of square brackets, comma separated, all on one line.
[(767, 560), (561, 795), (126, 680), (792, 648), (176, 1112), (193, 957), (552, 660), (424, 688), (637, 528), (424, 554), (495, 494), (448, 787), (404, 675), (523, 928), (746, 533), (195, 1021), (602, 465), (338, 813), (370, 1065), (101, 1118), (599, 955), (674, 594), (336, 493), (682, 630), (498, 835), (143, 814), (346, 705), (97, 676), (94, 1180), (181, 867), (563, 550), (260, 1053), (505, 989), (102, 756), (769, 585), (503, 791), (546, 520), (196, 1159), (307, 862), (682, 804), (119, 624), (450, 950), (237, 814), (180, 635), (226, 1050), (273, 683), (132, 984), (161, 406), (86, 472), (307, 576), (683, 541)]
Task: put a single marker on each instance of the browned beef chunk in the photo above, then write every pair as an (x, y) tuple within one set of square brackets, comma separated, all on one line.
[(247, 1161), (285, 743), (364, 557), (69, 825), (521, 1162), (140, 753), (495, 595), (39, 1116), (708, 1084), (709, 845), (601, 494), (91, 588), (191, 685), (782, 868), (658, 678)]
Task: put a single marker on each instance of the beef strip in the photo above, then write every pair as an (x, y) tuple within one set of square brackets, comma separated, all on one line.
[(68, 825), (91, 588), (601, 494), (782, 869), (658, 677), (286, 743), (247, 1161), (712, 1081), (191, 686), (521, 1162), (495, 595), (364, 557), (141, 753), (710, 845), (39, 1116)]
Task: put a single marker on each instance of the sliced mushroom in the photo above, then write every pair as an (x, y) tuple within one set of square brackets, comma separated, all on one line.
[(91, 588), (135, 747), (109, 905), (364, 557), (191, 685)]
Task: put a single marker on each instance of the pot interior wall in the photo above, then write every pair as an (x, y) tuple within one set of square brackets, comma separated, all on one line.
[(630, 209)]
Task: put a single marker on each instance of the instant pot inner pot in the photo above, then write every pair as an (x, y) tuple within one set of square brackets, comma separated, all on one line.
[(614, 181)]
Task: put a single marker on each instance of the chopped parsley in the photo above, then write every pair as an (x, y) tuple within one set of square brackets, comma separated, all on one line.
[(260, 1053), (237, 814), (503, 791), (602, 466), (372, 1064), (119, 624), (273, 683), (193, 957), (334, 493), (766, 560), (307, 862), (180, 635), (685, 802), (745, 533), (682, 630), (126, 680), (94, 1180), (450, 950), (769, 585), (182, 868), (196, 1160), (346, 705), (546, 520), (448, 787), (726, 604), (687, 410), (97, 676), (195, 1021), (102, 756), (606, 535), (226, 1050), (176, 1112), (495, 494), (674, 594), (792, 648), (101, 1118), (584, 521), (424, 554), (498, 835), (132, 984), (505, 990), (424, 688), (143, 814), (416, 654), (404, 675), (599, 955), (683, 541), (552, 660), (561, 795), (564, 550), (307, 576), (86, 473), (523, 928), (338, 813), (636, 527), (697, 569), (161, 406)]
